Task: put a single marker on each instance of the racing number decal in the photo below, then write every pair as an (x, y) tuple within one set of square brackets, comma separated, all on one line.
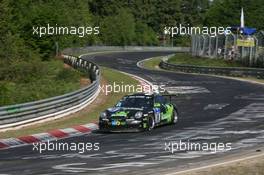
[(116, 123)]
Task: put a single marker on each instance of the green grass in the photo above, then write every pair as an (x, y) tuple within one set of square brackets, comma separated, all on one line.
[(187, 59), (85, 116), (152, 63), (30, 81)]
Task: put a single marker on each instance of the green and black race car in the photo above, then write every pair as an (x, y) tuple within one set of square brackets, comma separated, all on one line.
[(138, 112)]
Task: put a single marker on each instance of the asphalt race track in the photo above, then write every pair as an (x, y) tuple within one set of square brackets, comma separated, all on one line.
[(212, 110)]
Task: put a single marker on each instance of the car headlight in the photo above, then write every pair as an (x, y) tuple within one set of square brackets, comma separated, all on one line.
[(103, 115), (138, 115)]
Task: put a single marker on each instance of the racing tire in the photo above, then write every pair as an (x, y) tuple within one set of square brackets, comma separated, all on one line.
[(174, 117), (151, 123), (102, 130)]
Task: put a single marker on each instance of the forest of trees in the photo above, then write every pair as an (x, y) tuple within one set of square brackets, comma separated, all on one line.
[(127, 22)]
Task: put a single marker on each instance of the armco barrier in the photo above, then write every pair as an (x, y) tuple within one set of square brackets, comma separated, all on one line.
[(59, 106), (236, 72), (82, 50)]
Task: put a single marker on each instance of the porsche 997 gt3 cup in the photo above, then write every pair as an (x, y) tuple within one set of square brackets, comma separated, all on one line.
[(138, 112)]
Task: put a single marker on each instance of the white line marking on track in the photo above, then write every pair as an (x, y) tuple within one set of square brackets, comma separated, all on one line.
[(215, 106), (186, 89), (70, 168)]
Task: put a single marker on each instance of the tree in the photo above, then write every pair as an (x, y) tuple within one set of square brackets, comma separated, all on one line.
[(11, 45), (145, 35), (227, 13), (118, 29), (193, 11)]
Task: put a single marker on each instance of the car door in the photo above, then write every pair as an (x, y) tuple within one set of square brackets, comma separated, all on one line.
[(160, 109)]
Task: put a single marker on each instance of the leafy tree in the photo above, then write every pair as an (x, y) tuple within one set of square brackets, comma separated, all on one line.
[(145, 35), (227, 13), (193, 11), (11, 45), (153, 14), (27, 13), (118, 29)]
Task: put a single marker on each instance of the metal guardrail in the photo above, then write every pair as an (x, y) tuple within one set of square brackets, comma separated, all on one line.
[(56, 107), (82, 50), (236, 71)]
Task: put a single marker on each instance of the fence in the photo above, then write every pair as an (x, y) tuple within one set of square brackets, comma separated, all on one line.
[(246, 49), (56, 107)]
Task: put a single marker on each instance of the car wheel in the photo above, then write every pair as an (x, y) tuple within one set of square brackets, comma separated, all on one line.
[(151, 123), (174, 117)]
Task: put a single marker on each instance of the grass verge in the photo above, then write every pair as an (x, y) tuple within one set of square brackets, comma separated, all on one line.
[(152, 63), (89, 114), (187, 59)]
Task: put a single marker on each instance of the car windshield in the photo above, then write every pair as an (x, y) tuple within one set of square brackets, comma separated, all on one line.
[(136, 102)]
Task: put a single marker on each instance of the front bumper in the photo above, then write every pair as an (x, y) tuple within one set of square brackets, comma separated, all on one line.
[(129, 125)]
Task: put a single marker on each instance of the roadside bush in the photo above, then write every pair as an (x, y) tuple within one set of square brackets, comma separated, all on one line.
[(3, 93), (68, 75), (24, 82), (23, 72)]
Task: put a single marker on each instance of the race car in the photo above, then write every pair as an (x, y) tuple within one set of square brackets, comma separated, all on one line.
[(138, 112)]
